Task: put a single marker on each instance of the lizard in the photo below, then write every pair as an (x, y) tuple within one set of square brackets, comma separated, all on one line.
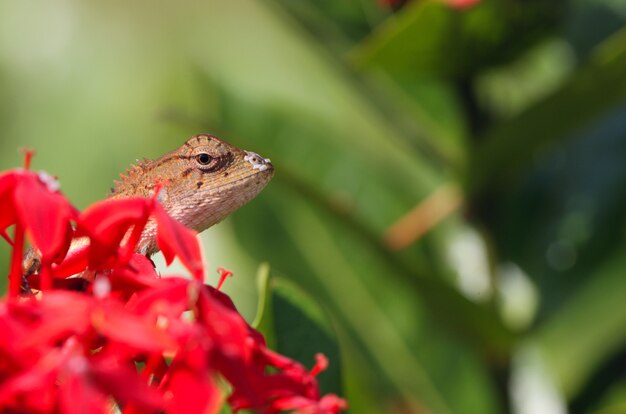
[(201, 183)]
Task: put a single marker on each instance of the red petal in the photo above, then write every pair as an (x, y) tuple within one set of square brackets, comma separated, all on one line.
[(294, 403), (74, 262), (225, 326), (77, 396), (12, 356), (125, 385), (329, 404), (7, 203), (143, 266), (107, 222), (25, 390), (46, 216), (61, 314), (232, 353), (171, 291), (137, 276), (124, 327), (192, 393), (175, 239)]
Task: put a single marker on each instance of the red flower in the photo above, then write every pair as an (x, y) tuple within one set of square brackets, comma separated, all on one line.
[(32, 203), (116, 335), (47, 221)]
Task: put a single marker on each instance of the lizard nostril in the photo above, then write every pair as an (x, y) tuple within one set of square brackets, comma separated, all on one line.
[(258, 162)]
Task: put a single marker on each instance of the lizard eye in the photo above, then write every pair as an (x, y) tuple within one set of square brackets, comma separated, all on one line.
[(204, 158)]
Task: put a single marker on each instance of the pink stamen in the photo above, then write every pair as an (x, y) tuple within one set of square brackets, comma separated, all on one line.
[(224, 273), (28, 156), (321, 364)]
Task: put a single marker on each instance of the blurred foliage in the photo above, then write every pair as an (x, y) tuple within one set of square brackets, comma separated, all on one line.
[(513, 303)]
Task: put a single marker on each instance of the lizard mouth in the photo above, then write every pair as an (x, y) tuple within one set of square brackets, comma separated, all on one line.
[(256, 179)]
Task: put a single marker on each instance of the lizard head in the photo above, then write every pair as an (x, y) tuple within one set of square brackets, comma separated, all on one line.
[(203, 181)]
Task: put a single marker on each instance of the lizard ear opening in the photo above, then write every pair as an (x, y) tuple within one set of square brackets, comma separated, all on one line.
[(204, 158)]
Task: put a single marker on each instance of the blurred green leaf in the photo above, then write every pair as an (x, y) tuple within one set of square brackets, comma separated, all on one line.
[(478, 324), (592, 91), (263, 320), (506, 90), (432, 37), (558, 222), (613, 401), (324, 96), (335, 24), (323, 271), (588, 328), (316, 252), (410, 41), (381, 191)]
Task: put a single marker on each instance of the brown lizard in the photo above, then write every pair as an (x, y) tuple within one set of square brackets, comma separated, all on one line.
[(202, 182)]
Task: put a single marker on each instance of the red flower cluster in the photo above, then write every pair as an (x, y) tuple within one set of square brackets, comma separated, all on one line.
[(120, 335)]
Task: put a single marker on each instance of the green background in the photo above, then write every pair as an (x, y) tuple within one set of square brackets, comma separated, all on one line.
[(514, 302)]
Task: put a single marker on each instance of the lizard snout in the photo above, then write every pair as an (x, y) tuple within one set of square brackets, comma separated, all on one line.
[(258, 162)]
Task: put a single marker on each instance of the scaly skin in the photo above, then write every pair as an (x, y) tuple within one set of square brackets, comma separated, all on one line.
[(202, 182)]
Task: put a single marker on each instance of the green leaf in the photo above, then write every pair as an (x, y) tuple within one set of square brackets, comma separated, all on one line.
[(613, 401), (263, 320), (595, 89), (411, 40), (433, 38), (587, 329)]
